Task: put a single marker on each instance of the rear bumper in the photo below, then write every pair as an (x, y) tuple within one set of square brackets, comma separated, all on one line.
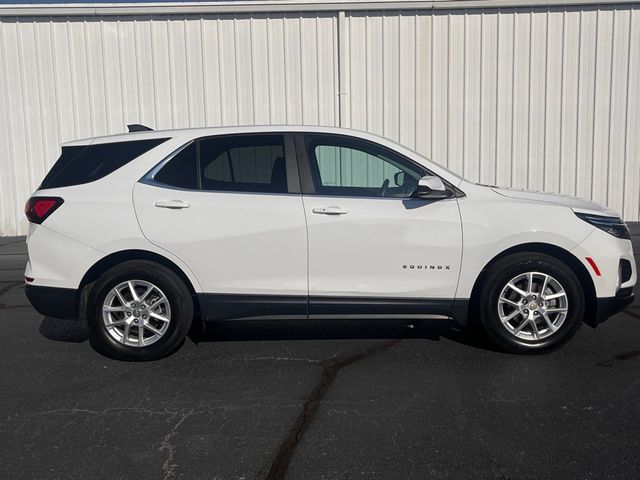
[(611, 305), (52, 301)]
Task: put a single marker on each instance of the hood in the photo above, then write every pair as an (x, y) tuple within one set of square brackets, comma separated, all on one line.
[(575, 203)]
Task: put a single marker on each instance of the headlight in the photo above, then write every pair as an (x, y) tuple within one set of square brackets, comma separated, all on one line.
[(612, 225)]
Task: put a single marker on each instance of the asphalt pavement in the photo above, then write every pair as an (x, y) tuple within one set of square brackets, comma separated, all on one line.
[(314, 400)]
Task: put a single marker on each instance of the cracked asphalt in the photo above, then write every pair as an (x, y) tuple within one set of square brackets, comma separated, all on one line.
[(314, 400)]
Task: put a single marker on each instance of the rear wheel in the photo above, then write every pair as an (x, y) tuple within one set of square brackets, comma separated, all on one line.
[(139, 310), (531, 303)]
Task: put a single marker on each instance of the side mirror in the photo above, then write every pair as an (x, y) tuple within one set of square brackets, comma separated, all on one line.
[(399, 178), (431, 187)]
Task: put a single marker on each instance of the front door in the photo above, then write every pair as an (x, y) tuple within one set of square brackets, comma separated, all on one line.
[(375, 248)]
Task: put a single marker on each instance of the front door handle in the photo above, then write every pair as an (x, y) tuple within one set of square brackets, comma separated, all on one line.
[(172, 204), (329, 211)]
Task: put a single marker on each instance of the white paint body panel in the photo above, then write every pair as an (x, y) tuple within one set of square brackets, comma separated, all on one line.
[(234, 242), (606, 254), (275, 244), (493, 222), (384, 247)]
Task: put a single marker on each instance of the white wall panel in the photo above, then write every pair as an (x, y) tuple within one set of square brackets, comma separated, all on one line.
[(76, 77), (543, 98), (538, 98)]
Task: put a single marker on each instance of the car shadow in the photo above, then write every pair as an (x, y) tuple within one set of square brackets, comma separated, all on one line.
[(294, 330), (60, 330)]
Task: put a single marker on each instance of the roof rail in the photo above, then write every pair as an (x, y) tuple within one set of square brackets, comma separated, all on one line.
[(136, 127)]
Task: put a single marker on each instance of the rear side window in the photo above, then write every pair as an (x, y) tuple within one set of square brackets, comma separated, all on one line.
[(88, 163), (182, 169), (244, 164), (238, 163)]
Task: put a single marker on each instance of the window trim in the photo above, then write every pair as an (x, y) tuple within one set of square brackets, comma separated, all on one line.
[(308, 179), (291, 165)]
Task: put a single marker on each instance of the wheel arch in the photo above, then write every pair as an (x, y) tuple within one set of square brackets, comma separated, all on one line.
[(554, 251), (116, 258)]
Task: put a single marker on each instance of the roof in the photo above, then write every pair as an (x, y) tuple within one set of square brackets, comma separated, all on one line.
[(189, 133), (141, 7)]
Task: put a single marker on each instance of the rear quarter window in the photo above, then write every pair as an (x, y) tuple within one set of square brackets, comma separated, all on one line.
[(88, 163)]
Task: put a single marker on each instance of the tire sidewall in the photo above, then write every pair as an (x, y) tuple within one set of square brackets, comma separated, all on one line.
[(173, 288), (509, 268)]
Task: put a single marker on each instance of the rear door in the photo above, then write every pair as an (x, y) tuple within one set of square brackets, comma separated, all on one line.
[(374, 247), (230, 208)]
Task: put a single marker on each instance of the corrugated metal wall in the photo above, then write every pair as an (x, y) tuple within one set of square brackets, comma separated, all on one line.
[(538, 98)]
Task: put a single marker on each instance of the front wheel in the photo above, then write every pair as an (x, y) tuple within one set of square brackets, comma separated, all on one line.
[(531, 303), (139, 310)]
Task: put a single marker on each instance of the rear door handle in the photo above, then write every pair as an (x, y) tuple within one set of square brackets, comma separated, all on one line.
[(172, 204), (329, 211)]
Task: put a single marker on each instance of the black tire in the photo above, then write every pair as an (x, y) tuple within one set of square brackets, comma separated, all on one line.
[(509, 267), (176, 292)]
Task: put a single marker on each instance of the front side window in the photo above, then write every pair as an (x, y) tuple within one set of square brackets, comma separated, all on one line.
[(239, 163), (348, 167)]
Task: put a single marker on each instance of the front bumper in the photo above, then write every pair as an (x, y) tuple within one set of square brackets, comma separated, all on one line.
[(52, 301), (606, 307)]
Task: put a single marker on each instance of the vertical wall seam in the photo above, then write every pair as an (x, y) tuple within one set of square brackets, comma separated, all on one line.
[(626, 122), (318, 87), (269, 72), (613, 43), (154, 71), (104, 77), (513, 93), (384, 83), (562, 105), (55, 82), (415, 79), (286, 63), (122, 69), (578, 104), (528, 176), (545, 115), (43, 126), (497, 100), (170, 74), (187, 74), (480, 97), (203, 57), (301, 69), (137, 71), (235, 72), (595, 96), (221, 107), (433, 35), (252, 42), (465, 85), (73, 81), (88, 75)]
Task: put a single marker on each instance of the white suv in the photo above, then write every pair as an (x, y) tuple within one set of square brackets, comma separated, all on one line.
[(141, 233)]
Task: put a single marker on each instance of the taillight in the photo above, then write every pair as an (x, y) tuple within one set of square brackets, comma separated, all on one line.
[(38, 209)]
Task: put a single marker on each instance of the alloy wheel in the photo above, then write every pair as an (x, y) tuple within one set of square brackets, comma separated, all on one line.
[(533, 306), (136, 313)]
